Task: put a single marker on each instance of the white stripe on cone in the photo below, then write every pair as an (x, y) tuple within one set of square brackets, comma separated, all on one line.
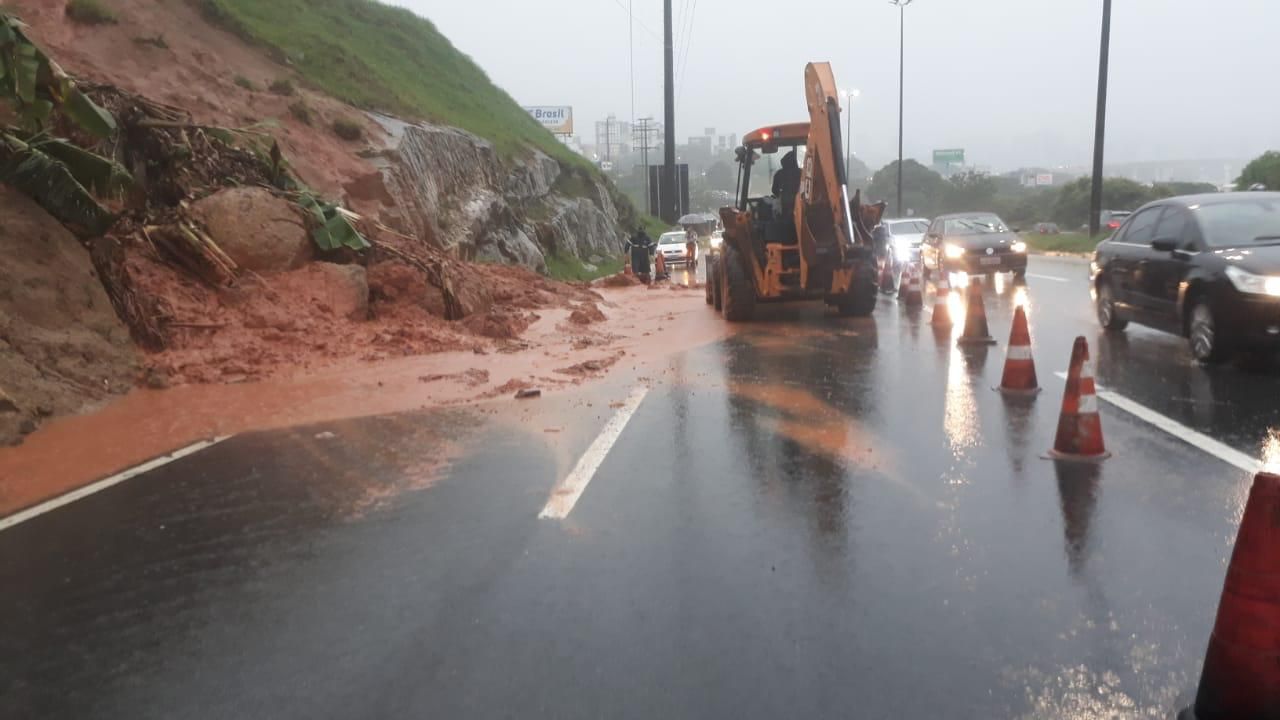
[(1019, 352), (1088, 405)]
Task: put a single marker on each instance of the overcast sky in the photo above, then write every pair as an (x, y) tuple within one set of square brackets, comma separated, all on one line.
[(1011, 81)]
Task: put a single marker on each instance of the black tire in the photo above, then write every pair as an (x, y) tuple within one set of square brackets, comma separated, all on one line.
[(861, 300), (738, 296), (707, 285), (1105, 309), (1207, 345), (1020, 276), (713, 279)]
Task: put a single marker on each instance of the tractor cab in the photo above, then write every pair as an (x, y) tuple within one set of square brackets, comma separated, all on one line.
[(772, 219)]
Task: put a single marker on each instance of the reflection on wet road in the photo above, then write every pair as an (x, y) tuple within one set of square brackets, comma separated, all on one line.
[(815, 517)]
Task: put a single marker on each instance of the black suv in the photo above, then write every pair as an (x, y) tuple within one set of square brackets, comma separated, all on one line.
[(1206, 267)]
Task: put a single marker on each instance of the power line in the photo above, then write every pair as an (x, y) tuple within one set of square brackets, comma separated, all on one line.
[(684, 61), (644, 27)]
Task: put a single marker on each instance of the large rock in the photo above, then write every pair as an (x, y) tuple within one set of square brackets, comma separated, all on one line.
[(62, 348), (258, 230), (344, 289)]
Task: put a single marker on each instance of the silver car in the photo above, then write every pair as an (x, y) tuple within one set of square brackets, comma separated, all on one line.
[(673, 246)]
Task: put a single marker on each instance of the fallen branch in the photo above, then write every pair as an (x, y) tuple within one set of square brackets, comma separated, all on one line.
[(437, 275), (108, 259)]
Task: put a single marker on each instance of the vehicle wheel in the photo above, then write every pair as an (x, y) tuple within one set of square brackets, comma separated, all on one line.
[(861, 300), (738, 295), (1108, 317), (1206, 345), (707, 285), (1020, 276)]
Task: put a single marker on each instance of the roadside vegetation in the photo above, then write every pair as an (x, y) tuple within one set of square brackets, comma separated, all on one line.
[(568, 268), (386, 58), (90, 12), (1067, 242)]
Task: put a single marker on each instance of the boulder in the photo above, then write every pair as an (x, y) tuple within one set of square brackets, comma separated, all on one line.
[(344, 289), (258, 230)]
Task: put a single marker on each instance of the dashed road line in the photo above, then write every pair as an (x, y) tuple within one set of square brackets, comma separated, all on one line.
[(80, 493), (566, 494), (1223, 452)]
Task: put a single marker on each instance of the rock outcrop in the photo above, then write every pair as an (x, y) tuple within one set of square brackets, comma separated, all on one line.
[(453, 189)]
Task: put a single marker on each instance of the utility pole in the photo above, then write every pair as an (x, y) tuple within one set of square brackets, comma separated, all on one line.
[(1100, 124), (667, 194), (902, 56), (643, 128)]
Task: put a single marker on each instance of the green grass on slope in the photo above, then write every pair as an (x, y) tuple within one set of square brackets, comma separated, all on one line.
[(385, 58), (564, 267)]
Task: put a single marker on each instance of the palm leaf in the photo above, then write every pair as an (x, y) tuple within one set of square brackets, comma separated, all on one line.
[(53, 187), (87, 114), (95, 172)]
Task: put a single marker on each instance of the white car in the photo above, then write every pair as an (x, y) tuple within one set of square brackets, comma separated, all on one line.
[(905, 238), (673, 247)]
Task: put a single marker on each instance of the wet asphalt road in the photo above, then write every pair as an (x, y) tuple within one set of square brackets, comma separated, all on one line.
[(815, 517)]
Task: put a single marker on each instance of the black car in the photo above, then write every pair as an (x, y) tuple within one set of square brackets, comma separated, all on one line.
[(973, 243), (1206, 267)]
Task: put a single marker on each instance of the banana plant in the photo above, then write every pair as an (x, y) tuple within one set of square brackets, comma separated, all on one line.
[(60, 176), (36, 85)]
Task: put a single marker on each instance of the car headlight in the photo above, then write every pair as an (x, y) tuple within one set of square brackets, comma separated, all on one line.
[(1018, 247), (1247, 282), (902, 247), (953, 252), (717, 240)]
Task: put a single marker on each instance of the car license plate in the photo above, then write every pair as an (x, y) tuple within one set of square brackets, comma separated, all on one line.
[(989, 261)]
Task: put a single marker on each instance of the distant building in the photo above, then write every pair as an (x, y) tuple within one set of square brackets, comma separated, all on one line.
[(613, 138)]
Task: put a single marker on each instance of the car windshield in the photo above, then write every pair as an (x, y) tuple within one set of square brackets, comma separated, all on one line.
[(672, 239), (909, 227), (975, 225), (1238, 223)]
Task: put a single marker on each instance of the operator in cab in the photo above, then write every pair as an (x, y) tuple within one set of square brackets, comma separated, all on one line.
[(786, 182)]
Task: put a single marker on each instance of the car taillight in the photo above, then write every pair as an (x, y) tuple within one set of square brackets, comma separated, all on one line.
[(1113, 225)]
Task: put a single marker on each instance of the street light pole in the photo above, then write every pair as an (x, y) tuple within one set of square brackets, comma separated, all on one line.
[(902, 55), (849, 95), (1100, 124)]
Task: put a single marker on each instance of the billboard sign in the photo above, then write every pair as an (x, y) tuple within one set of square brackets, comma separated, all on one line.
[(1044, 179), (555, 118), (951, 156)]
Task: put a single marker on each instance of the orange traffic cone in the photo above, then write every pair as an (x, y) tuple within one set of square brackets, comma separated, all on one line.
[(626, 267), (1079, 426), (975, 318), (912, 293), (886, 275), (659, 266), (1241, 678), (1019, 367), (941, 312)]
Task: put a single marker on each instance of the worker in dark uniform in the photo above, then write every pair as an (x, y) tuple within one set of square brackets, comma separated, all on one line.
[(786, 182), (640, 247)]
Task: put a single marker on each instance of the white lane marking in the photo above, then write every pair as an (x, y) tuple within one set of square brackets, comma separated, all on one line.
[(566, 494), (1048, 277), (1223, 452), (84, 492)]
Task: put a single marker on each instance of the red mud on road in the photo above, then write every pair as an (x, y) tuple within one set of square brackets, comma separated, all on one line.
[(640, 326)]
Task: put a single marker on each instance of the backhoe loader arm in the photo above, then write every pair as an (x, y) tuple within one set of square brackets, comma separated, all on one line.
[(822, 208)]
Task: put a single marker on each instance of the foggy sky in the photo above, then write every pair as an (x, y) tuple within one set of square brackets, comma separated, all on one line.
[(1011, 81)]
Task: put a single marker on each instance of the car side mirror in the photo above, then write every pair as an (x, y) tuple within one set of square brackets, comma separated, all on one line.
[(1164, 245)]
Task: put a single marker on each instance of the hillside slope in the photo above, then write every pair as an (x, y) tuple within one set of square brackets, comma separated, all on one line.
[(386, 58)]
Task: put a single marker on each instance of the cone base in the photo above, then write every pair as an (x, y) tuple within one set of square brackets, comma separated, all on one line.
[(988, 340), (1068, 457), (1016, 392)]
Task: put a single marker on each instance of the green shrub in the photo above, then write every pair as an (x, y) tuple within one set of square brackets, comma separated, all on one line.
[(282, 86), (347, 129), (156, 41), (244, 82), (301, 111), (90, 12)]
